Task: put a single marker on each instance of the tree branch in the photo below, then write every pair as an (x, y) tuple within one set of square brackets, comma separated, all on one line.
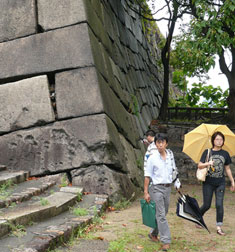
[(223, 65)]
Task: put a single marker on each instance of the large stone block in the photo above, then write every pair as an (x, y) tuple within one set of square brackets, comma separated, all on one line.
[(134, 171), (45, 52), (59, 13), (24, 104), (117, 112), (78, 93), (102, 180), (63, 145), (17, 19)]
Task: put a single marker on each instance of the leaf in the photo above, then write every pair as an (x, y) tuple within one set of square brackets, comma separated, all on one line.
[(100, 238)]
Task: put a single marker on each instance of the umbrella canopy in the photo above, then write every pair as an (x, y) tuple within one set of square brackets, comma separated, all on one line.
[(188, 208), (199, 139)]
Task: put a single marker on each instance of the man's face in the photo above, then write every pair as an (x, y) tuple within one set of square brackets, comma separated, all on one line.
[(150, 139), (161, 145)]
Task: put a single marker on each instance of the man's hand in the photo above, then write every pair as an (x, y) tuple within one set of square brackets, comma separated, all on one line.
[(177, 184), (147, 197)]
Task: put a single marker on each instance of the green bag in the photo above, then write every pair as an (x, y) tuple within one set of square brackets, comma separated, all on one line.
[(148, 213)]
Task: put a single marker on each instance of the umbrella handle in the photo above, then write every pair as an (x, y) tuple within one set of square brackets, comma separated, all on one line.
[(179, 192)]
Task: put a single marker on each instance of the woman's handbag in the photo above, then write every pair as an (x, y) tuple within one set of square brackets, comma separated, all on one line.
[(201, 173)]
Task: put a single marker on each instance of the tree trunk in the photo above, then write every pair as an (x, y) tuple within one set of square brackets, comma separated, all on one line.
[(166, 62), (165, 98), (231, 104), (231, 81)]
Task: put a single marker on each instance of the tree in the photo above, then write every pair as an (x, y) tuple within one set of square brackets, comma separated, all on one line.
[(175, 9), (211, 32), (201, 95)]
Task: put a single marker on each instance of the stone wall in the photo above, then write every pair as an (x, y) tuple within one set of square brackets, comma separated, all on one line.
[(79, 85)]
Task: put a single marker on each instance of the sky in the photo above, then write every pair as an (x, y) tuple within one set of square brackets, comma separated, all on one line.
[(215, 75)]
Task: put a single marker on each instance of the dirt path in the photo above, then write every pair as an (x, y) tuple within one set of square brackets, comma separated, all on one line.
[(124, 231)]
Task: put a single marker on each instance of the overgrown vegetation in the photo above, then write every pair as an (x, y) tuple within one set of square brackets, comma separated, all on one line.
[(199, 95), (6, 189), (17, 229), (78, 211), (44, 202), (134, 106), (123, 203), (64, 181)]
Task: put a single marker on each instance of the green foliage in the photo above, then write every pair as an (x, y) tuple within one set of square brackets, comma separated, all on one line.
[(44, 202), (123, 203), (179, 79), (6, 189), (17, 229), (203, 96), (118, 245), (79, 196), (140, 162), (209, 32), (78, 211), (134, 106), (64, 181)]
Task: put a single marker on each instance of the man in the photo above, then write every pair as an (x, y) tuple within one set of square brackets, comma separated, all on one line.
[(150, 134), (162, 171)]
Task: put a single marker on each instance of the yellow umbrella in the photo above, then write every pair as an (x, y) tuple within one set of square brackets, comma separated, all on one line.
[(199, 139)]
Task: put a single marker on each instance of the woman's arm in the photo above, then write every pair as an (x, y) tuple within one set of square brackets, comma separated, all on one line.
[(204, 165), (229, 174)]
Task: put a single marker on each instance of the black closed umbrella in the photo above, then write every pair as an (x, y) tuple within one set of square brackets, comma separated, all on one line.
[(188, 208)]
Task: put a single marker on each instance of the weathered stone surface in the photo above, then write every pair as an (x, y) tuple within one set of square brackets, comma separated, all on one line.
[(118, 113), (25, 191), (53, 14), (17, 19), (23, 215), (134, 172), (3, 167), (54, 50), (71, 189), (101, 179), (62, 201), (24, 104), (14, 177), (78, 93), (63, 145), (4, 228), (97, 27)]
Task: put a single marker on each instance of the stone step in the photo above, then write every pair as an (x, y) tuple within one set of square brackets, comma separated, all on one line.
[(2, 168), (24, 191), (43, 208), (56, 230), (15, 177)]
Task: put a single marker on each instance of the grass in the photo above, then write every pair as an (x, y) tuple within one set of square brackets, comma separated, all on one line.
[(6, 189), (64, 181), (79, 197), (17, 229), (78, 211), (123, 203), (132, 241), (44, 202)]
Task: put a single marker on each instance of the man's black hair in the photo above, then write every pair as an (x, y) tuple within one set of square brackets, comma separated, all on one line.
[(150, 133), (160, 137)]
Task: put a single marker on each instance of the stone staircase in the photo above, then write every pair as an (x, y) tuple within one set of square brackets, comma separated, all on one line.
[(38, 214)]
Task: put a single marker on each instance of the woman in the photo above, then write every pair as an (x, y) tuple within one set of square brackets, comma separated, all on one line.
[(215, 181)]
